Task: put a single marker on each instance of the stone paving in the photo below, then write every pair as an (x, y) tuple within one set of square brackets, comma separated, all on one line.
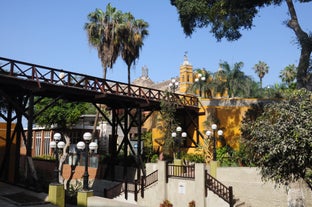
[(12, 195)]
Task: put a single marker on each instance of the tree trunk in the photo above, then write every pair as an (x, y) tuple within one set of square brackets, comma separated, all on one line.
[(305, 41), (63, 158)]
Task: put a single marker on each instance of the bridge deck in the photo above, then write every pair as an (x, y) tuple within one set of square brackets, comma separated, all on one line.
[(18, 78)]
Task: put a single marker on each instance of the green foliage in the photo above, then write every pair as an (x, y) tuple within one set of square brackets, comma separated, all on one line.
[(167, 122), (279, 140), (228, 79), (154, 158), (44, 157), (261, 68), (114, 33), (228, 157), (197, 158), (149, 154), (226, 19), (61, 113), (288, 76)]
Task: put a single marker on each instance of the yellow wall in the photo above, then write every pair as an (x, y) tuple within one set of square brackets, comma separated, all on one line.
[(2, 149), (230, 118), (229, 112)]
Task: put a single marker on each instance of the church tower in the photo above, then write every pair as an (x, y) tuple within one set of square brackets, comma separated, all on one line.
[(186, 75)]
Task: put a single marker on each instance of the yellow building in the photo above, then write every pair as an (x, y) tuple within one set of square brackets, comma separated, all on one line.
[(229, 112)]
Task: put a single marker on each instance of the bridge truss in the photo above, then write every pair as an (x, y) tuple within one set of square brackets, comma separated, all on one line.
[(21, 82)]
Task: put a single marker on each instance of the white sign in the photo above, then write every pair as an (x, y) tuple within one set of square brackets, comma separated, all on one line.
[(181, 188)]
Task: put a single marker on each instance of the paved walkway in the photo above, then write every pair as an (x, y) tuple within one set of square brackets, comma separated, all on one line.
[(12, 195)]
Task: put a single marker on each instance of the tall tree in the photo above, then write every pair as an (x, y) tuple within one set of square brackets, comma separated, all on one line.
[(227, 18), (279, 140), (236, 79), (261, 68), (62, 115), (132, 33), (114, 33), (288, 75), (232, 79), (102, 30), (202, 84)]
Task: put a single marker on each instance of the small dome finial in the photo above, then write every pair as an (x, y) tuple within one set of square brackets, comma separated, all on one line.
[(185, 61)]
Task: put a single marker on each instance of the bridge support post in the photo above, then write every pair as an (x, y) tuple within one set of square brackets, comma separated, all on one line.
[(57, 194), (82, 198)]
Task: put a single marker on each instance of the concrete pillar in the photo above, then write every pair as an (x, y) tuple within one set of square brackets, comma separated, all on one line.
[(200, 184), (57, 194), (213, 168), (162, 185), (82, 198)]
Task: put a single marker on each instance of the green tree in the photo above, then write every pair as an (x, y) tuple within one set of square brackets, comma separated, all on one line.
[(167, 123), (227, 18), (279, 140), (288, 75), (203, 83), (114, 33), (261, 68), (237, 82), (131, 35), (102, 30), (62, 114)]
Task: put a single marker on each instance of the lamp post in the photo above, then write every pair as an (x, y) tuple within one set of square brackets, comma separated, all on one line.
[(85, 146), (173, 86), (57, 145), (200, 80), (214, 139), (178, 136)]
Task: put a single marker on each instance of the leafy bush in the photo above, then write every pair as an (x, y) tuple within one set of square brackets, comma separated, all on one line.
[(192, 157), (44, 157)]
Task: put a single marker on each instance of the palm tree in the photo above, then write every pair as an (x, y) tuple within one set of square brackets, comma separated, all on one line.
[(220, 80), (202, 83), (102, 30), (132, 33), (233, 80), (289, 74), (261, 68)]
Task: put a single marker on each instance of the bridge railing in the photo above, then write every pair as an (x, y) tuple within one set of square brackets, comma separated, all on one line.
[(42, 74)]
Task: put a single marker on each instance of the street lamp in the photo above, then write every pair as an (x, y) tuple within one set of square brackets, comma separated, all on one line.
[(57, 146), (200, 80), (214, 139), (85, 147), (173, 85), (177, 138)]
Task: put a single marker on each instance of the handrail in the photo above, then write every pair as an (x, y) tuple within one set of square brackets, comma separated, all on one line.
[(224, 192), (58, 77), (151, 178), (131, 186), (181, 171)]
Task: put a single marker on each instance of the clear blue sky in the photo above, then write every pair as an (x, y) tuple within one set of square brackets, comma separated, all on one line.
[(51, 33)]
